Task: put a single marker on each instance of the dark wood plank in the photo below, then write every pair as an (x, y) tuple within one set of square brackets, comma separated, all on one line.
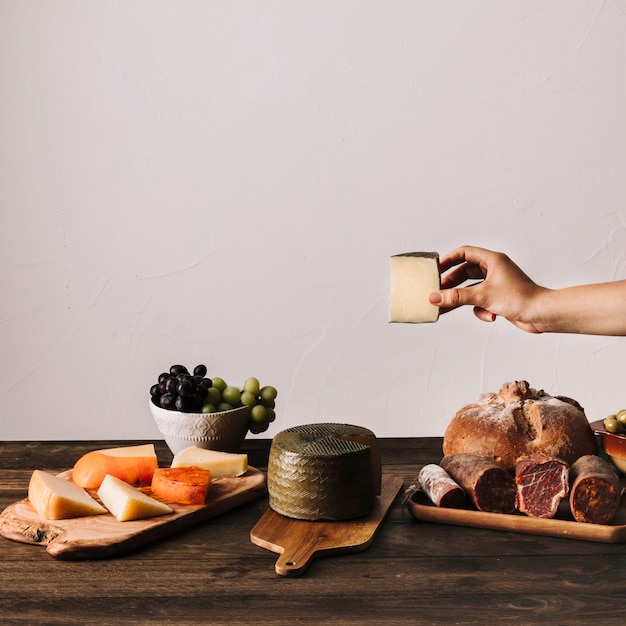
[(412, 573)]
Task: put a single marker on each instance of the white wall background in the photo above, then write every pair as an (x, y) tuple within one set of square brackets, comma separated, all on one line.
[(223, 182)]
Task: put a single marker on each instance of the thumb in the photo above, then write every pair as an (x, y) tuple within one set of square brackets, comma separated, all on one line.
[(449, 298)]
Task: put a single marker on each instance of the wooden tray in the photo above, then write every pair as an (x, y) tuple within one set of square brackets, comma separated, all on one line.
[(299, 541), (102, 536), (562, 525)]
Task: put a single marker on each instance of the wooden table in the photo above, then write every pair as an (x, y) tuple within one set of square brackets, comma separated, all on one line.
[(413, 573)]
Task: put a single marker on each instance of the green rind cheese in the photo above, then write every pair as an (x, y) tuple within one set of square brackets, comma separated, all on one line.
[(323, 472)]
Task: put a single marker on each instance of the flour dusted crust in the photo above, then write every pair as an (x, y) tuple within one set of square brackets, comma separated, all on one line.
[(323, 472), (520, 421)]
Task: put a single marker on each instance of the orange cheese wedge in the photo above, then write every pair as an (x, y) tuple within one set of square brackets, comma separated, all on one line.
[(132, 464), (185, 485)]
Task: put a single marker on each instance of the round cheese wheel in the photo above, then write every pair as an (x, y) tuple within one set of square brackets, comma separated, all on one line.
[(323, 472), (520, 421)]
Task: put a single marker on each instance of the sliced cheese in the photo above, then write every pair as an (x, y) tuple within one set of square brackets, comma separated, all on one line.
[(127, 503), (185, 485), (220, 464), (56, 498), (414, 275)]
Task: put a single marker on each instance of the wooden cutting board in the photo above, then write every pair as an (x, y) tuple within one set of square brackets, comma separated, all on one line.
[(562, 525), (102, 536), (299, 542)]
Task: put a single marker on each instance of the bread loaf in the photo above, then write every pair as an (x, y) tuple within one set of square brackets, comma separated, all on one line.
[(517, 422)]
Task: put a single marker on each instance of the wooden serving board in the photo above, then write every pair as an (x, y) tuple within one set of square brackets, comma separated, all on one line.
[(562, 525), (102, 536), (299, 541)]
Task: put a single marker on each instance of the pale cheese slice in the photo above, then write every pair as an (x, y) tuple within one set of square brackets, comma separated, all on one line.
[(55, 498), (127, 503), (414, 275), (220, 464)]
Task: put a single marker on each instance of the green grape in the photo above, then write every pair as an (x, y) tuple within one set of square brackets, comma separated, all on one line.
[(209, 408), (258, 413), (270, 415), (213, 395), (231, 395), (224, 406), (248, 398), (219, 383), (252, 385), (268, 393)]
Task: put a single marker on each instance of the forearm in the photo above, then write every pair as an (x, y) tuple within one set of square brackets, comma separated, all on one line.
[(598, 309)]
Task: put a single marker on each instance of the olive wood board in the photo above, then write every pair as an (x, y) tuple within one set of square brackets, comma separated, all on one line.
[(300, 541), (562, 525), (102, 536)]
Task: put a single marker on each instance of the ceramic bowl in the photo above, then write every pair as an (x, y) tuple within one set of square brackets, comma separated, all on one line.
[(614, 446), (224, 431)]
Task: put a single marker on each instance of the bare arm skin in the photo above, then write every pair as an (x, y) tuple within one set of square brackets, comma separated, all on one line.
[(505, 290)]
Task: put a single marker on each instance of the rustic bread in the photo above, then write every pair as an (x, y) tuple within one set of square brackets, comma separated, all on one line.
[(520, 421)]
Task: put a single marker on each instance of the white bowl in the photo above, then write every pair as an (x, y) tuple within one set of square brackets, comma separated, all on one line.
[(224, 431)]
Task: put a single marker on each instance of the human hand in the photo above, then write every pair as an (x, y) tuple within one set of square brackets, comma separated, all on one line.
[(503, 288)]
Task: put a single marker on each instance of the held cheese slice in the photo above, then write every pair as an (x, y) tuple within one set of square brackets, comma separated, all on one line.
[(56, 498), (132, 464), (185, 485), (323, 472), (127, 503), (414, 275), (220, 464)]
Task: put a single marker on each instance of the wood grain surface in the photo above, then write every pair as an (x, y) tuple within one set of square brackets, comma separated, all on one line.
[(414, 572), (299, 541), (562, 525), (102, 536)]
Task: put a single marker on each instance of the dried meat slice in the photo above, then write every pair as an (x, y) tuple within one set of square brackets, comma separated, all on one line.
[(541, 484)]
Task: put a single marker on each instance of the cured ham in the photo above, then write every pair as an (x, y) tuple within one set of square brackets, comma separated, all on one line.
[(541, 484)]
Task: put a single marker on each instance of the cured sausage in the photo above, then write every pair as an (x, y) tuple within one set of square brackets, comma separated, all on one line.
[(541, 483), (594, 492), (490, 487), (438, 485)]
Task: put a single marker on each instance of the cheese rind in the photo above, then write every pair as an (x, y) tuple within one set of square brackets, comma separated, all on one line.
[(185, 485), (55, 498), (132, 464), (128, 503), (323, 472), (414, 275), (220, 464)]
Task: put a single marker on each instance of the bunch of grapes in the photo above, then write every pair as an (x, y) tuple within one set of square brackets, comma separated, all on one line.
[(180, 390)]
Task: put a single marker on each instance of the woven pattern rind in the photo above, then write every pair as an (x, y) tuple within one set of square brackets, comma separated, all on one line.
[(314, 474)]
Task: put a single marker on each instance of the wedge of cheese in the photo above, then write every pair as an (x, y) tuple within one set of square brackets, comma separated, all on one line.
[(56, 498), (220, 464), (132, 464), (414, 275), (127, 503)]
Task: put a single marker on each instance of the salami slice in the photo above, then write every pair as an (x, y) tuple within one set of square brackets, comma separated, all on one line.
[(438, 485), (595, 491), (490, 487), (541, 483)]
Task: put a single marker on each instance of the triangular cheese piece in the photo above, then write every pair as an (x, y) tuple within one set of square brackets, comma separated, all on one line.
[(220, 464), (127, 503), (56, 498)]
